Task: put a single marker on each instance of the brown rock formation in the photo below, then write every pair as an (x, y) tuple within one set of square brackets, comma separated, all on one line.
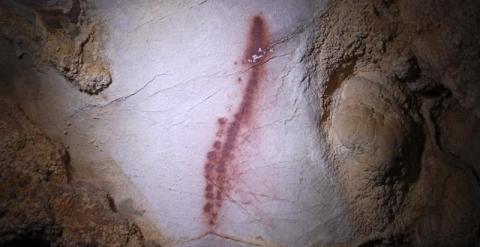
[(60, 35), (397, 84), (38, 206)]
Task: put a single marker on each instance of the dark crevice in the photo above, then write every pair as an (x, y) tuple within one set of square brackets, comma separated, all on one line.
[(111, 203), (393, 241), (335, 81), (27, 242)]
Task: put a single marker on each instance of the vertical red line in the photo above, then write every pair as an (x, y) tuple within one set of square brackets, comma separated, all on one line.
[(221, 154)]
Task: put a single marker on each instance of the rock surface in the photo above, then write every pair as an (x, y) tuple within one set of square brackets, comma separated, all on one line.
[(398, 85), (60, 34), (366, 132), (38, 205)]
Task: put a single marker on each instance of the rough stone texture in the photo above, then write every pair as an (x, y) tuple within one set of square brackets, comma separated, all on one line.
[(61, 35), (38, 206), (397, 82), (397, 93)]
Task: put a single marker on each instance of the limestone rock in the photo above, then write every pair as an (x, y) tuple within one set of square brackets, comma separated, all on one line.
[(38, 205)]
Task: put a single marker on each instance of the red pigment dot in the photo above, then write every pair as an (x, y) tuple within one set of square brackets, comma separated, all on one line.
[(208, 166), (211, 155), (221, 168), (217, 145), (209, 187), (210, 195), (207, 207), (222, 121)]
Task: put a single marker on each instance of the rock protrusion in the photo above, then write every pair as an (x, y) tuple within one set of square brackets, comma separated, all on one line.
[(38, 205)]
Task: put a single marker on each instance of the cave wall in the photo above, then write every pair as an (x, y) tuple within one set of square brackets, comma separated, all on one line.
[(39, 204), (364, 130), (399, 93)]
